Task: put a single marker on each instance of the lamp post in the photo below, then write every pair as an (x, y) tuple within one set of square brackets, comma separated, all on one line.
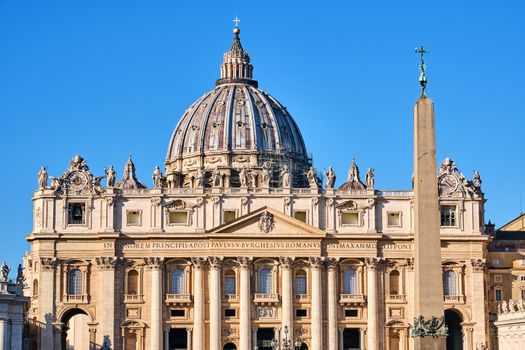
[(287, 344)]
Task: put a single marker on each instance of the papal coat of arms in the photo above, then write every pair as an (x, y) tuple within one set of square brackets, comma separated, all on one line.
[(266, 222)]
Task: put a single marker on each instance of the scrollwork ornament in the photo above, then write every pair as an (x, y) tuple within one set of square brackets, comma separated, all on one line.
[(215, 262), (374, 263), (156, 201), (478, 264), (154, 263), (244, 201), (48, 263), (106, 263), (286, 262), (332, 263), (198, 262), (316, 262), (244, 262), (287, 201), (315, 201), (110, 201)]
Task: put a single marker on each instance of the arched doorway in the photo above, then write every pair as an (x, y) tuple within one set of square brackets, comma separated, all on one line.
[(453, 321), (75, 333), (229, 346)]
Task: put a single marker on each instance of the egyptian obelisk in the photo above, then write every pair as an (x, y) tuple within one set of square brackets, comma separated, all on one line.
[(428, 292)]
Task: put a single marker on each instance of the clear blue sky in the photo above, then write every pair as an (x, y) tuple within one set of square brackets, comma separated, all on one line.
[(108, 78)]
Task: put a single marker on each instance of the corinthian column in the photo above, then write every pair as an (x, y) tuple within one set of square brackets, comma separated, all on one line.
[(477, 290), (198, 304), (317, 303), (215, 302), (155, 265), (287, 302), (332, 304), (245, 302), (106, 267), (372, 304)]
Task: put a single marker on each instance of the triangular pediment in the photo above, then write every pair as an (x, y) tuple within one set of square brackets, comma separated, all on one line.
[(269, 222), (517, 224)]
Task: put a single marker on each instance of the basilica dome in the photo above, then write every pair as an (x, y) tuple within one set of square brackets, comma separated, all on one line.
[(234, 126)]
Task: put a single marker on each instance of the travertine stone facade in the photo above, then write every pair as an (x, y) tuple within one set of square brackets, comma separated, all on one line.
[(237, 244)]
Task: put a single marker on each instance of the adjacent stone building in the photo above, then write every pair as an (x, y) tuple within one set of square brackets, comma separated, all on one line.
[(240, 245)]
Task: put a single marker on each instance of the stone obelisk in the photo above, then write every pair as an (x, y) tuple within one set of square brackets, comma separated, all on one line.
[(428, 288)]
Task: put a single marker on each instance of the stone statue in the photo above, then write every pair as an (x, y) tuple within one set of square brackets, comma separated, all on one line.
[(243, 177), (20, 275), (216, 176), (520, 304), (42, 178), (157, 177), (512, 306), (285, 176), (95, 183), (265, 176), (4, 272), (311, 175), (504, 307), (200, 177), (370, 179), (476, 181), (111, 175), (330, 178)]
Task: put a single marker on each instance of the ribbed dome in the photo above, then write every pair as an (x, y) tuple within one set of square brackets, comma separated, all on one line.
[(236, 125)]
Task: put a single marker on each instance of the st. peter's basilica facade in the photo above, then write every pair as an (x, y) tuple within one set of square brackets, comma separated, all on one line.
[(238, 244)]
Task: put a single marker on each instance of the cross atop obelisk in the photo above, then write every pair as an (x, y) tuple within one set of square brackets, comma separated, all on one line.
[(428, 329), (422, 67)]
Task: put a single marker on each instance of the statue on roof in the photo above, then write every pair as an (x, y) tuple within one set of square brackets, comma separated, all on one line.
[(353, 172), (200, 177), (476, 180), (20, 278), (111, 175), (243, 177), (4, 272), (157, 177), (285, 176), (42, 178), (311, 175), (370, 179), (330, 178), (216, 178), (448, 166), (265, 176)]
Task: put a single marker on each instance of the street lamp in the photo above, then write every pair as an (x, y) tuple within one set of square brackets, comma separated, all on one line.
[(287, 344)]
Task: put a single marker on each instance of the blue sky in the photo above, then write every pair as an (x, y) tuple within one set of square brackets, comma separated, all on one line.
[(108, 79)]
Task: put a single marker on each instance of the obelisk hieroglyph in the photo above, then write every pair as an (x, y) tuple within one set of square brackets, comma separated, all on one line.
[(428, 329)]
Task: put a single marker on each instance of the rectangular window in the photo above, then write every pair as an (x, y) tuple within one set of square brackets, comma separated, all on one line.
[(178, 313), (229, 216), (76, 213), (300, 215), (448, 215), (522, 293), (351, 313), (301, 313), (229, 312), (522, 278), (178, 217), (300, 284), (497, 295), (350, 219), (394, 219), (497, 278), (229, 285), (133, 218)]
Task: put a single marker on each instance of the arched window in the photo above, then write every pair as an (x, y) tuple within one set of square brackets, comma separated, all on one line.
[(74, 282), (449, 283), (350, 282), (133, 282), (394, 282), (265, 280), (35, 287), (300, 282), (229, 283), (178, 282)]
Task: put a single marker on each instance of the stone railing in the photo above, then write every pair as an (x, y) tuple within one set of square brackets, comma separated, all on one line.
[(178, 298), (396, 298), (75, 299), (302, 298), (454, 299), (266, 298), (351, 298), (133, 298), (231, 297), (401, 193)]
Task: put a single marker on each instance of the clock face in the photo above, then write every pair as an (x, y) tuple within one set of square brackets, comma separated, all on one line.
[(77, 180), (448, 184)]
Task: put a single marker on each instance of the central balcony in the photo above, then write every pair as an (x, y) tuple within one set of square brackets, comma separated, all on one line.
[(396, 298), (76, 299), (454, 299), (302, 298), (133, 299), (264, 298), (178, 299)]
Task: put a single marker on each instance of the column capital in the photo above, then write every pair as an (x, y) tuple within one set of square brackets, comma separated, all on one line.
[(316, 262), (48, 263), (106, 262), (374, 263), (154, 263), (198, 262), (409, 264), (189, 329), (244, 262), (286, 262), (478, 265), (215, 262), (332, 263)]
